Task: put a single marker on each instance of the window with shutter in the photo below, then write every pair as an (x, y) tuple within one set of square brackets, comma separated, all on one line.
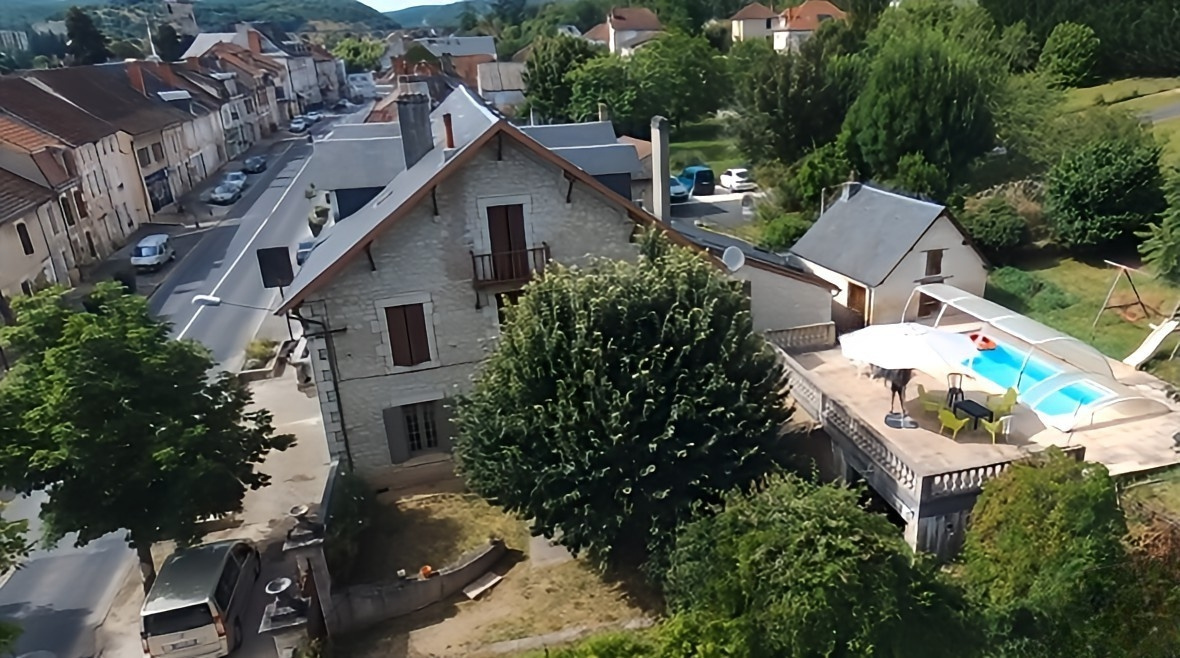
[(67, 210), (408, 337), (80, 201)]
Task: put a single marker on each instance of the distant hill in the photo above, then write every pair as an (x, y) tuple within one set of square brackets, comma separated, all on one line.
[(435, 15), (127, 18)]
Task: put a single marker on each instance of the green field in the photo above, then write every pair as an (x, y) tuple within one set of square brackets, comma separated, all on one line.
[(704, 142), (1117, 92)]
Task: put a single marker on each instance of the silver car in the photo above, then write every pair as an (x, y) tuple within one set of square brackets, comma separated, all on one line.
[(236, 179), (224, 195)]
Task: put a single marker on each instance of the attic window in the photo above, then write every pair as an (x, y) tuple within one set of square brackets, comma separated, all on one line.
[(934, 262)]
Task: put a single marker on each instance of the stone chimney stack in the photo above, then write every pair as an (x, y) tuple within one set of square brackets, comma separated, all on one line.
[(413, 117), (660, 170)]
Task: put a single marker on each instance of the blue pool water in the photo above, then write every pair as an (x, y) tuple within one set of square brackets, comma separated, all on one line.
[(1002, 367)]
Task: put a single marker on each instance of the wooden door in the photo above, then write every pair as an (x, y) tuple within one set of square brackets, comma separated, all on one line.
[(509, 251), (857, 299)]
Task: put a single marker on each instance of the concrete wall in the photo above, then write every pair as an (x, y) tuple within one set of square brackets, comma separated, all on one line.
[(359, 607), (117, 160), (428, 259), (961, 265), (781, 302), (37, 268), (790, 40)]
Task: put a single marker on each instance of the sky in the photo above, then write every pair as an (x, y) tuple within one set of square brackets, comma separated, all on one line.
[(394, 5)]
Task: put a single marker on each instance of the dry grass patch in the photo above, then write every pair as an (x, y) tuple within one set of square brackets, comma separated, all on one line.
[(431, 530)]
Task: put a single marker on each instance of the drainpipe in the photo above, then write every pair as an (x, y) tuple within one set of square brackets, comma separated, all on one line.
[(330, 345)]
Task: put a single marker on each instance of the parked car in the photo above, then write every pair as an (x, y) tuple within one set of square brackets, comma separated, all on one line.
[(254, 165), (314, 116), (198, 602), (698, 179), (224, 195), (236, 179), (298, 125), (678, 192), (152, 252), (737, 180), (341, 104), (304, 250)]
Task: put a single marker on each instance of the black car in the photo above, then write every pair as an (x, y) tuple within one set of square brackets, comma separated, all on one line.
[(254, 165)]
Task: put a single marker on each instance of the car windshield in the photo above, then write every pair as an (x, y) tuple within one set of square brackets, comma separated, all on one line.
[(145, 250), (177, 621), (740, 174), (223, 189), (235, 176)]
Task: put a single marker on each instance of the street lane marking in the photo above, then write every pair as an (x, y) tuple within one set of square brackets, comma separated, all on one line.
[(261, 225)]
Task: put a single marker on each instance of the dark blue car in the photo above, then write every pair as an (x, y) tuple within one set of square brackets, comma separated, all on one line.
[(699, 180)]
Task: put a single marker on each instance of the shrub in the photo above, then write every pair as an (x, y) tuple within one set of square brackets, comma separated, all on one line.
[(781, 232), (259, 352), (1161, 240), (351, 513), (1070, 54), (996, 226), (917, 175)]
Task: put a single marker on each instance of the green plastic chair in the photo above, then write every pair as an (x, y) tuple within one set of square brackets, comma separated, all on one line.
[(1001, 405), (930, 403), (951, 422), (998, 426)]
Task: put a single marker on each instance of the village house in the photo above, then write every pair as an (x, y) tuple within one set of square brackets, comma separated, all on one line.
[(625, 29), (456, 56), (502, 85), (797, 24), (176, 136), (754, 21), (901, 242), (403, 300), (32, 238), (261, 77), (101, 204)]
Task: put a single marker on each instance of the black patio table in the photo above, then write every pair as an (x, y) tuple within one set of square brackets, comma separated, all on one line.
[(974, 410)]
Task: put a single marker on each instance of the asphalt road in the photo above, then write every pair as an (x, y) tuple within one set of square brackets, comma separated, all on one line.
[(60, 596)]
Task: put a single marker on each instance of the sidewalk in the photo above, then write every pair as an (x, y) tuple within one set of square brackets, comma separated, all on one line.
[(297, 477)]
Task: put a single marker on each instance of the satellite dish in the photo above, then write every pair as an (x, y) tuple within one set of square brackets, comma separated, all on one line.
[(733, 258)]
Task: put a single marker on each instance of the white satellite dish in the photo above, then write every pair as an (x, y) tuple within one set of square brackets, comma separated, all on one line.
[(733, 258)]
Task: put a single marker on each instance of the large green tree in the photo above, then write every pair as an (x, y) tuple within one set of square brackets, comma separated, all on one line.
[(123, 426), (798, 570), (925, 94), (1161, 239), (170, 44), (85, 44), (14, 547), (621, 399), (1044, 550), (1103, 191), (552, 58), (606, 80), (681, 77), (360, 55)]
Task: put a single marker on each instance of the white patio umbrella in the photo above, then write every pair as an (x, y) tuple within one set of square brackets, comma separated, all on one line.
[(908, 346), (896, 350)]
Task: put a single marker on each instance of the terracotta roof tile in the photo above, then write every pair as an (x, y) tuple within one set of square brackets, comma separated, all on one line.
[(808, 16), (600, 32), (55, 174), (24, 136), (51, 114), (19, 196), (105, 91), (640, 19), (755, 11)]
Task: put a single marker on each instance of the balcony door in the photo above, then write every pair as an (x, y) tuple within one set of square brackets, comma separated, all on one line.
[(510, 260)]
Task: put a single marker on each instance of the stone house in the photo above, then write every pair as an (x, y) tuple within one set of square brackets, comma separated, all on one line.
[(901, 242), (402, 301), (797, 24), (754, 21), (31, 237)]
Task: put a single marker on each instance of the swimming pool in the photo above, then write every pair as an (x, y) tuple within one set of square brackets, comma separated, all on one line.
[(1002, 367)]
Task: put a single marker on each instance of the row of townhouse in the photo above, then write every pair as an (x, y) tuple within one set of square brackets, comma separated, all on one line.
[(455, 210)]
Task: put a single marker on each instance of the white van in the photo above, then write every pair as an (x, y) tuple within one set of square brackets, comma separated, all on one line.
[(152, 252), (196, 605)]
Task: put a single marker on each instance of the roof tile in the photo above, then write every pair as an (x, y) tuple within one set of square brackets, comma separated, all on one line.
[(24, 136), (808, 16), (634, 18), (755, 11), (51, 114), (18, 196)]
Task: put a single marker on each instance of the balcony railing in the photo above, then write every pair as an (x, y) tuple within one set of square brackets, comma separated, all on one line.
[(508, 266)]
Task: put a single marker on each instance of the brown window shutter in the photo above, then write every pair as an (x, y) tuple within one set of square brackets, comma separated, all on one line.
[(80, 201), (416, 328), (399, 339)]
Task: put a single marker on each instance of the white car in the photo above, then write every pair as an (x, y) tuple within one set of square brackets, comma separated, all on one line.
[(298, 125), (237, 179), (314, 116), (737, 180)]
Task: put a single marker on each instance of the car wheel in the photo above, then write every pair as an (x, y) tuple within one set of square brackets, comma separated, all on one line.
[(238, 639)]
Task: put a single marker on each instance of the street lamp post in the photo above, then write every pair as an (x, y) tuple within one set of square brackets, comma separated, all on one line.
[(325, 331)]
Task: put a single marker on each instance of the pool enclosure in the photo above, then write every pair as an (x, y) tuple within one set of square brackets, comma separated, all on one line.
[(1073, 388)]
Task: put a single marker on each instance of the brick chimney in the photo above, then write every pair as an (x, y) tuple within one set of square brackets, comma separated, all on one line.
[(255, 42), (135, 76)]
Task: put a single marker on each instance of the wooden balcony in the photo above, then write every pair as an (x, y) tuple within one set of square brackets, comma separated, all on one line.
[(508, 267)]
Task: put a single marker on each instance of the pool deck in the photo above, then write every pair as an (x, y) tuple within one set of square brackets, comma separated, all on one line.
[(1126, 446)]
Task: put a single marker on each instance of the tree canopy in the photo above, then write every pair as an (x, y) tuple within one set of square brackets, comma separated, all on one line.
[(360, 55), (552, 58), (681, 77), (170, 45), (798, 570), (86, 43), (622, 397), (122, 425), (1161, 239), (1070, 55)]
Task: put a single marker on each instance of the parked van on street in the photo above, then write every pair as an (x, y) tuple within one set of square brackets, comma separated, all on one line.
[(195, 607), (153, 252)]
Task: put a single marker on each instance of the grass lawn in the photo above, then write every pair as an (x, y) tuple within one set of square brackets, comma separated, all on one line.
[(1152, 102), (433, 530), (1117, 92), (705, 141), (1119, 331), (1159, 491)]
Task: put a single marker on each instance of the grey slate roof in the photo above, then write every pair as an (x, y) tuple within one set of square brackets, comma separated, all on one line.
[(865, 236), (563, 135), (365, 130), (459, 46), (500, 76), (602, 159), (470, 119), (342, 164)]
